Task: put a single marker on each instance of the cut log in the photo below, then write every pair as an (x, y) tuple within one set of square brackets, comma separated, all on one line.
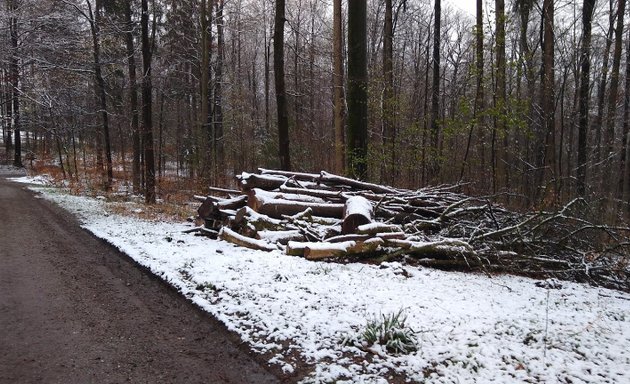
[(249, 181), (261, 202), (357, 211), (282, 237), (296, 248), (348, 237), (320, 251), (322, 193), (257, 221), (210, 208), (336, 179), (376, 227), (262, 195), (289, 174), (432, 248), (228, 192), (244, 241)]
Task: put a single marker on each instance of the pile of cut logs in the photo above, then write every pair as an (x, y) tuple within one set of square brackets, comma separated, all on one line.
[(325, 215), (320, 216)]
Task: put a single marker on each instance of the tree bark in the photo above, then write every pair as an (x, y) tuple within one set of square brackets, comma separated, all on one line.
[(133, 99), (281, 96), (434, 166), (389, 128), (95, 21), (147, 118), (15, 85), (499, 157), (205, 110), (612, 99), (601, 89), (219, 151), (624, 180), (478, 106), (585, 73), (339, 104), (546, 159), (357, 89)]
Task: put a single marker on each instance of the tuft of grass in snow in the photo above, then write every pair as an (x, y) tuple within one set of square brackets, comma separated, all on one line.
[(389, 331)]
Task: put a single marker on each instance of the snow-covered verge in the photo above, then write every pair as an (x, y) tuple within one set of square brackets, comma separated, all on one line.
[(468, 327)]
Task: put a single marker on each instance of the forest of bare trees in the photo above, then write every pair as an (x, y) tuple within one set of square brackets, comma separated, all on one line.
[(529, 100)]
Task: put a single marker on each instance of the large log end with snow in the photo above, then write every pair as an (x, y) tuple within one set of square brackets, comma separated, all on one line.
[(357, 211)]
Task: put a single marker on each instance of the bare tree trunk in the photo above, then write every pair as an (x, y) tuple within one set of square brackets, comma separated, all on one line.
[(357, 89), (205, 111), (501, 94), (15, 85), (94, 21), (624, 180), (389, 129), (585, 73), (612, 101), (434, 167), (281, 97), (219, 150), (147, 119), (601, 89), (338, 101), (478, 106), (133, 99), (546, 161)]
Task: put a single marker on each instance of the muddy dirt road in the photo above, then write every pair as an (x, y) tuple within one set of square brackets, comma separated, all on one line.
[(74, 310)]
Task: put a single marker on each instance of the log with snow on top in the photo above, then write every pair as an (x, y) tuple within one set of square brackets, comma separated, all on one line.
[(244, 241), (433, 248), (326, 250), (212, 206), (307, 209), (277, 205), (281, 237)]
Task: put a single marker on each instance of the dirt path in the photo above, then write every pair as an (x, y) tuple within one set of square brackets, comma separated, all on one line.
[(74, 310)]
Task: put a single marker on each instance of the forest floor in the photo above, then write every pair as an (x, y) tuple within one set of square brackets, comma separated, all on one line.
[(311, 320), (73, 309)]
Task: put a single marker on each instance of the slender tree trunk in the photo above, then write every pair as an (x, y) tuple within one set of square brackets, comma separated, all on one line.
[(434, 168), (133, 99), (219, 150), (478, 105), (357, 89), (147, 119), (601, 89), (101, 96), (546, 159), (281, 96), (7, 107), (389, 129), (612, 101), (625, 150), (15, 85), (205, 111), (501, 95), (585, 80), (338, 101)]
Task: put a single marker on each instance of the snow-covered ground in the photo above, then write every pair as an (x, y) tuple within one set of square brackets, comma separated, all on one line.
[(468, 327)]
